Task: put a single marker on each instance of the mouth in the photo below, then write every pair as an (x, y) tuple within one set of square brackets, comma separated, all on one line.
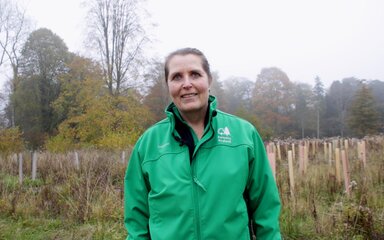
[(189, 95)]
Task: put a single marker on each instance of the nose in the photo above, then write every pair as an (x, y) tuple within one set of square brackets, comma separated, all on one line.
[(187, 83)]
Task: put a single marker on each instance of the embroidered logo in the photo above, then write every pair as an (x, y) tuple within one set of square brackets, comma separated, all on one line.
[(224, 135)]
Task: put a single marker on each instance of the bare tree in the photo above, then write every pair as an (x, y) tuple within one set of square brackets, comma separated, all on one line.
[(117, 35), (3, 120), (14, 30), (4, 16)]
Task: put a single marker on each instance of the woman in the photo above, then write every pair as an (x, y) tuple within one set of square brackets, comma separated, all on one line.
[(191, 175)]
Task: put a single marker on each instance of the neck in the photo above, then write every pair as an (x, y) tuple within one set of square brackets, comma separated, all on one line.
[(196, 121)]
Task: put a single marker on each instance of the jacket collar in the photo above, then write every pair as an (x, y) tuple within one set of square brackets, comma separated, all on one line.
[(172, 112)]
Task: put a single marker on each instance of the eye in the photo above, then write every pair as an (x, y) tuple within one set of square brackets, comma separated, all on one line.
[(176, 77), (195, 75)]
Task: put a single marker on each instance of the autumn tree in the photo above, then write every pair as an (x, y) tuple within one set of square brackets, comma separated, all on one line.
[(116, 33), (43, 59), (238, 94), (110, 122), (10, 141), (363, 118), (273, 100), (157, 98), (90, 116), (80, 87)]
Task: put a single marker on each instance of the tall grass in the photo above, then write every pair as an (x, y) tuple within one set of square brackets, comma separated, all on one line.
[(86, 201), (320, 207), (88, 194)]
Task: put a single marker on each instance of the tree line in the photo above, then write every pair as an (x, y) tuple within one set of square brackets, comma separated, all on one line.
[(60, 100)]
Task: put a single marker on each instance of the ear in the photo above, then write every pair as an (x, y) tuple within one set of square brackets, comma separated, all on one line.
[(209, 81)]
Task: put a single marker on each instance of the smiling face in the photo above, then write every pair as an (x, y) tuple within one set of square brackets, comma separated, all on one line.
[(188, 84)]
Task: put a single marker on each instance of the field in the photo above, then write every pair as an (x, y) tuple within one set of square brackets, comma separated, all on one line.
[(82, 198)]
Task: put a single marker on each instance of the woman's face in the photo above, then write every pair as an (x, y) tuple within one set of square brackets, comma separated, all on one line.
[(188, 84)]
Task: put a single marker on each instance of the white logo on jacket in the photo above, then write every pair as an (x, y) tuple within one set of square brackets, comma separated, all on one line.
[(224, 135)]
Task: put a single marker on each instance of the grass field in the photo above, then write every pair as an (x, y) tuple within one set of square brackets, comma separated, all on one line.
[(66, 201)]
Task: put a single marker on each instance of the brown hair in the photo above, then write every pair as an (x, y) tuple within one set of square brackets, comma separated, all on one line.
[(186, 51)]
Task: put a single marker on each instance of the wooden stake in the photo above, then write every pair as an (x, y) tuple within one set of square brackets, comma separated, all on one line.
[(337, 159), (76, 160), (325, 151), (335, 144), (278, 152), (20, 156), (330, 153), (272, 163), (293, 152), (301, 159), (346, 148), (123, 157), (313, 143), (34, 165), (290, 169), (363, 153), (306, 150), (345, 171)]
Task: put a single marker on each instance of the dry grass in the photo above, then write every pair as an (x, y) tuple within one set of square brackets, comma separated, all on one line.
[(90, 196)]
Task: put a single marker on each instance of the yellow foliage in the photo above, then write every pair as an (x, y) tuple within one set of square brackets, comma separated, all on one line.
[(90, 116), (109, 123), (10, 141), (59, 144)]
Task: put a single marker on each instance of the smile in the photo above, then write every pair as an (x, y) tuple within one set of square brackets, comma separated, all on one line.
[(188, 95)]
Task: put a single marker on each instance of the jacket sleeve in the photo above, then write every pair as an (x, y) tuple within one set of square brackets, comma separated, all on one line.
[(136, 213), (263, 194)]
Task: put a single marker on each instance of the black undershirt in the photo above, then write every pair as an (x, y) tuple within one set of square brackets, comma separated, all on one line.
[(186, 135)]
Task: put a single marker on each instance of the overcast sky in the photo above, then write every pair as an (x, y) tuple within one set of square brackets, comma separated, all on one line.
[(333, 39)]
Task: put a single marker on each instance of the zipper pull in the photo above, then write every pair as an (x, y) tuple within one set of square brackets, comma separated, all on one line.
[(199, 183)]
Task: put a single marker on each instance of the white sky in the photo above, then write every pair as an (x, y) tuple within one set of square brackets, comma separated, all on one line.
[(333, 39)]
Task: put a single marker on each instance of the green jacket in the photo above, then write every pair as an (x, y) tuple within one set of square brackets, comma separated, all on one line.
[(169, 197)]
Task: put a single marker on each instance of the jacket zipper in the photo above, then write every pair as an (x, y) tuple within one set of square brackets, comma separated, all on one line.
[(196, 200), (196, 184)]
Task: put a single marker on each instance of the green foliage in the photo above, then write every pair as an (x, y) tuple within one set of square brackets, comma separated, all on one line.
[(35, 228), (358, 220), (8, 183), (43, 59), (10, 141), (338, 100), (363, 119)]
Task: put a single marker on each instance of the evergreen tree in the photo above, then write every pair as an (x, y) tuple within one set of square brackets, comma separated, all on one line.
[(43, 59), (363, 119), (318, 100)]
